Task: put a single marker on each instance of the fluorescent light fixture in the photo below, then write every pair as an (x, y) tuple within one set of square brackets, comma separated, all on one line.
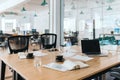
[(110, 1), (44, 3)]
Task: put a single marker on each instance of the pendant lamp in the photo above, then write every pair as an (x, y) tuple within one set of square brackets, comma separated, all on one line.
[(35, 15), (2, 15), (109, 8), (81, 12), (23, 9), (44, 3)]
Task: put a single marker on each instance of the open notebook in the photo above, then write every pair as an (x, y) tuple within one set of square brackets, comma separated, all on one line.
[(67, 65)]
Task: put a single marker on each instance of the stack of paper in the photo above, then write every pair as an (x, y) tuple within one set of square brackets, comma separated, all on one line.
[(67, 54), (38, 53), (22, 55), (82, 58)]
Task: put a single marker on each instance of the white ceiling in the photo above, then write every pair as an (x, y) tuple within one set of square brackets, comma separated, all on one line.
[(30, 6), (35, 5), (92, 6), (7, 4)]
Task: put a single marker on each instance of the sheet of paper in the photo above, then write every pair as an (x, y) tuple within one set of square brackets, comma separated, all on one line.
[(55, 66), (68, 54), (38, 53), (74, 51), (82, 65), (82, 58), (69, 64), (22, 55)]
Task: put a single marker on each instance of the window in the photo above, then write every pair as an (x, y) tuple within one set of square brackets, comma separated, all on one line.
[(8, 25)]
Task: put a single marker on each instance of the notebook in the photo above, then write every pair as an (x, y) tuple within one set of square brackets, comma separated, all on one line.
[(91, 47)]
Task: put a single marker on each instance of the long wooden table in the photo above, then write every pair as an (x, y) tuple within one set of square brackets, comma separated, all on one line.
[(26, 68)]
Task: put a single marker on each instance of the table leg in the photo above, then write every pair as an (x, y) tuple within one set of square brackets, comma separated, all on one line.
[(14, 75), (19, 77), (3, 67)]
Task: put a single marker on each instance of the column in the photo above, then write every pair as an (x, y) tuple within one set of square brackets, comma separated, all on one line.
[(57, 19)]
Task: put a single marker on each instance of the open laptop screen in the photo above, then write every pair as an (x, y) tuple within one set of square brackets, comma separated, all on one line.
[(90, 46)]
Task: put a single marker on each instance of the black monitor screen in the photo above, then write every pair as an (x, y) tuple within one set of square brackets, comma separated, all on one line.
[(1, 32), (33, 30), (90, 46)]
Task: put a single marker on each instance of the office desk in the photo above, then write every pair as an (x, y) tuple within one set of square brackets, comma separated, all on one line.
[(25, 67)]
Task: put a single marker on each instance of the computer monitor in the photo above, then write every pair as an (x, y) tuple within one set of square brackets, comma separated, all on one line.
[(33, 30), (46, 30), (1, 32), (90, 46)]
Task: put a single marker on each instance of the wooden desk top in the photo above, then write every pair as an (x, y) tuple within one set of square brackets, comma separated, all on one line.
[(25, 67)]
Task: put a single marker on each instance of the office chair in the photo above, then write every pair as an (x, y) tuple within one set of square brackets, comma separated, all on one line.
[(115, 72), (18, 44), (3, 42), (48, 40), (35, 39)]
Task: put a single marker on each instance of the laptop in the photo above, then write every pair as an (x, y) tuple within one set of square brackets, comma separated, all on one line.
[(91, 47)]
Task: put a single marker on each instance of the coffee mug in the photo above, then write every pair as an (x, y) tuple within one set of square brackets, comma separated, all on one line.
[(30, 55), (59, 58)]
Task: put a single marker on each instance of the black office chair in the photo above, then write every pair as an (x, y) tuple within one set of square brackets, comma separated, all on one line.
[(48, 40), (18, 44), (3, 42), (115, 72), (35, 39)]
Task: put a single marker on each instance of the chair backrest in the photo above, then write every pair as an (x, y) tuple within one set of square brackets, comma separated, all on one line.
[(35, 35), (2, 38), (1, 32), (18, 44), (48, 40)]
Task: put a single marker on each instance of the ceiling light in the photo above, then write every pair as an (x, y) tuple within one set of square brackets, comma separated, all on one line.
[(109, 8), (73, 7), (35, 15), (44, 3), (81, 12), (24, 17), (110, 1), (2, 15), (23, 9)]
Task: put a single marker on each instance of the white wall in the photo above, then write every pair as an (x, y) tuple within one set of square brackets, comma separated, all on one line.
[(41, 22)]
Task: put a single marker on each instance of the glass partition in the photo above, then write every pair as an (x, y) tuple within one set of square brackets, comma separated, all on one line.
[(93, 19)]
